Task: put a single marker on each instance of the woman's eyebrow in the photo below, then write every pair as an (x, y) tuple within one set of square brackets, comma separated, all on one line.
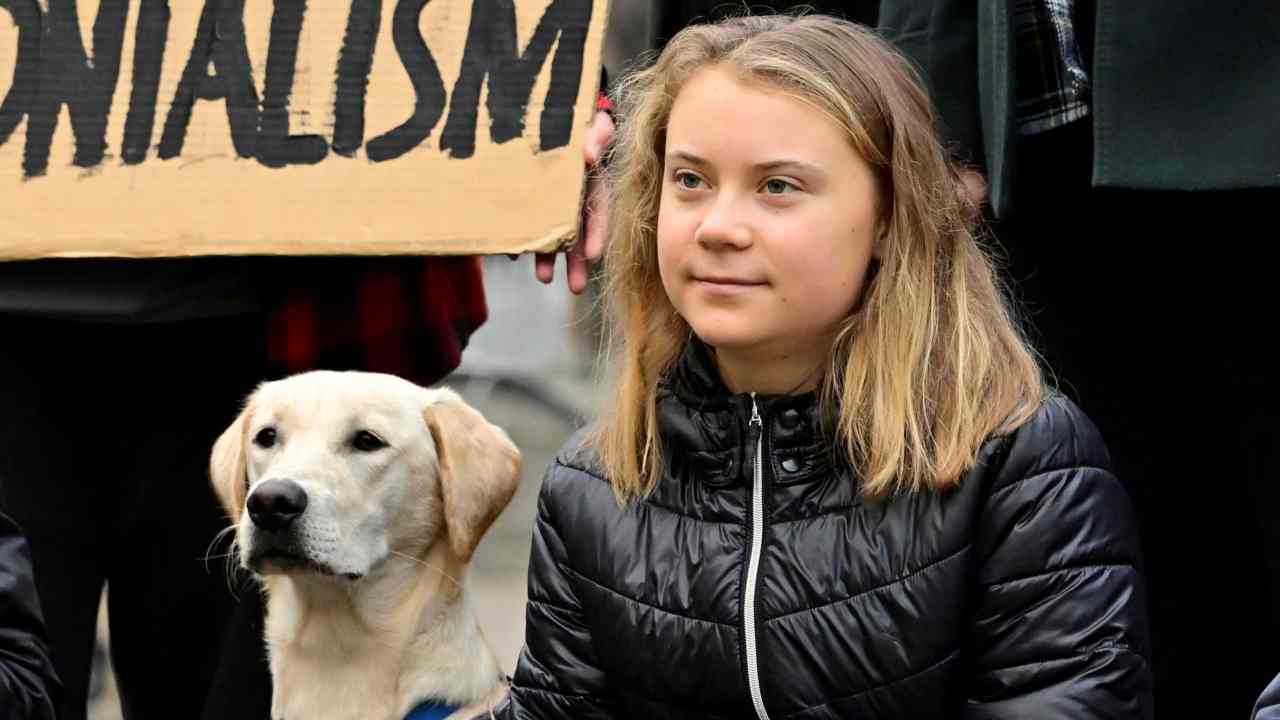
[(767, 166)]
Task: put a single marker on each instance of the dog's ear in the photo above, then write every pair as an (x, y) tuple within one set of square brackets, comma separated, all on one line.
[(228, 471), (479, 468)]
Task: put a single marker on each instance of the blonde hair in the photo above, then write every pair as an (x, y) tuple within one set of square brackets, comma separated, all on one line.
[(930, 364)]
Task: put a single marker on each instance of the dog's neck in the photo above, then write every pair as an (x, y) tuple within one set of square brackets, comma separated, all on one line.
[(377, 647)]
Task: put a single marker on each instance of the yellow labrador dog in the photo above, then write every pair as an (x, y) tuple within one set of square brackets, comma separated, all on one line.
[(358, 500)]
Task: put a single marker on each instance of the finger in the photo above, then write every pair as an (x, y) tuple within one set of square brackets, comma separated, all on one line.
[(597, 225), (576, 267), (594, 141), (975, 186), (544, 267), (599, 135)]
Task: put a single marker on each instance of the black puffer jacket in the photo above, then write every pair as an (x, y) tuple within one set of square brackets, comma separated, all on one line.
[(29, 687), (1014, 596), (1268, 706)]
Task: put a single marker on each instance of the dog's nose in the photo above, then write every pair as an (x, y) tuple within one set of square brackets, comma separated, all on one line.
[(275, 504)]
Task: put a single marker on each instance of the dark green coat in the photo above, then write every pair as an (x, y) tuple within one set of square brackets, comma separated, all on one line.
[(1186, 94)]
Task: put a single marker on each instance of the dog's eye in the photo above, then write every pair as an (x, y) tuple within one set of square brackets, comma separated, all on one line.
[(365, 441), (265, 438)]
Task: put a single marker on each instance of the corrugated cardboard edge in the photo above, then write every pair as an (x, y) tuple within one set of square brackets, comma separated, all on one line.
[(559, 238)]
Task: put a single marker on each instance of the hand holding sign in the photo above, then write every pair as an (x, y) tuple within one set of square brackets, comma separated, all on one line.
[(589, 245)]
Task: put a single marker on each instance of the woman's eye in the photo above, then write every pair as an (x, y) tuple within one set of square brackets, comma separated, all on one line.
[(688, 180), (365, 441), (265, 438), (776, 186)]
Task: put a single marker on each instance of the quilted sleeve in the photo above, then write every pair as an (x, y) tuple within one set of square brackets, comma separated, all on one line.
[(29, 688), (1060, 629), (557, 675), (1268, 705)]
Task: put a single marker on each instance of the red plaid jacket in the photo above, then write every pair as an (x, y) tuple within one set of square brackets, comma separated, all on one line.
[(410, 317), (405, 316)]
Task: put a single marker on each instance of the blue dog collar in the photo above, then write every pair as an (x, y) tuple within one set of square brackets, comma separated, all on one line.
[(431, 710)]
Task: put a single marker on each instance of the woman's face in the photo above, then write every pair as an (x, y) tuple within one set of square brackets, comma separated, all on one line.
[(767, 223)]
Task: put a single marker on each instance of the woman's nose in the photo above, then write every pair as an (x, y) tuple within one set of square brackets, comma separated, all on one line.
[(724, 226)]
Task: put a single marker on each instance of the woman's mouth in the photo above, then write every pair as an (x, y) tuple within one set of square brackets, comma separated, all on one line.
[(725, 285), (726, 280)]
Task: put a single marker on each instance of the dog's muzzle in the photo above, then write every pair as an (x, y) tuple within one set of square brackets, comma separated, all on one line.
[(276, 504), (281, 541)]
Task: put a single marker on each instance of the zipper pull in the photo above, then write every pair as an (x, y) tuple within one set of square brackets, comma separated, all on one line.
[(755, 413)]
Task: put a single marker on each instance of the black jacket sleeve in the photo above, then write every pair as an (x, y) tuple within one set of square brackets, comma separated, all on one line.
[(557, 675), (1060, 629), (29, 688), (1268, 707)]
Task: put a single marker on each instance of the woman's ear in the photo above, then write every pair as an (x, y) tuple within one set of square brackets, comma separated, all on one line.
[(881, 239)]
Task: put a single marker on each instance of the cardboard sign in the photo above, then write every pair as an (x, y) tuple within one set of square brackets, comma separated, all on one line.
[(143, 128)]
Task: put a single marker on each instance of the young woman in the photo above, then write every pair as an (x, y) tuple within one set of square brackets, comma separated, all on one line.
[(832, 483)]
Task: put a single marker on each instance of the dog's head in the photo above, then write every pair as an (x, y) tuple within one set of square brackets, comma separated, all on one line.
[(332, 472)]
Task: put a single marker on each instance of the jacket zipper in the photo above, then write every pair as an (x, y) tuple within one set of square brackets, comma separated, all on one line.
[(753, 564)]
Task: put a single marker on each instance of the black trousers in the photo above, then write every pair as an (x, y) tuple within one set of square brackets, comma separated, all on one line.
[(1156, 310), (105, 434)]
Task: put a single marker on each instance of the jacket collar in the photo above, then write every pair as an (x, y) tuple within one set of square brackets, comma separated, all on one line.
[(696, 380), (704, 423)]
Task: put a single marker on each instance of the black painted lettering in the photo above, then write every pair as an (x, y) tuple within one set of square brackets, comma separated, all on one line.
[(151, 36), (67, 77), (491, 52), (276, 147), (26, 72), (219, 40), (355, 62), (427, 85)]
